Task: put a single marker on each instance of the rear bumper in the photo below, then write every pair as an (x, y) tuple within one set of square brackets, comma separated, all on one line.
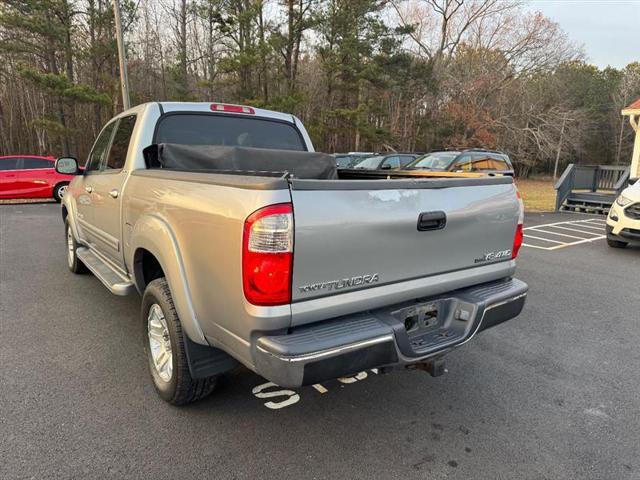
[(402, 334)]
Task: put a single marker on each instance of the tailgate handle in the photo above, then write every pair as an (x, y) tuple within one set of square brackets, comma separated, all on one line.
[(431, 221)]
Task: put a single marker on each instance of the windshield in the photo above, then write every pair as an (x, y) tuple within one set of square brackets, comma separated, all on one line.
[(228, 130), (435, 161), (370, 163)]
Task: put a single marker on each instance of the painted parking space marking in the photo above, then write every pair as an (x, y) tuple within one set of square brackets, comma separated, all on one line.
[(557, 235), (283, 397)]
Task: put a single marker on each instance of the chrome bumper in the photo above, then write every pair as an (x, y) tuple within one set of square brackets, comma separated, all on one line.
[(401, 334)]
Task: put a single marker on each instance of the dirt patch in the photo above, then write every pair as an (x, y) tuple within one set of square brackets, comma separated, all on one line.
[(538, 194)]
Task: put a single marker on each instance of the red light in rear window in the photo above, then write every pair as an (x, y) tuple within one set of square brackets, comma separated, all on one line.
[(223, 107)]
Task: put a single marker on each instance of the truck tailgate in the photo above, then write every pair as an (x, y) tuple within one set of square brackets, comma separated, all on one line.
[(355, 234)]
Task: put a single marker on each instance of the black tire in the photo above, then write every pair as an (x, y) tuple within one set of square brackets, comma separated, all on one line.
[(181, 387), (58, 191), (616, 243), (73, 262)]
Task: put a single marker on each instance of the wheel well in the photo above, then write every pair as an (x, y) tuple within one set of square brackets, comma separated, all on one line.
[(60, 183), (64, 213), (146, 268)]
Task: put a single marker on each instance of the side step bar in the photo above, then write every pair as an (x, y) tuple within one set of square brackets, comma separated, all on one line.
[(114, 281)]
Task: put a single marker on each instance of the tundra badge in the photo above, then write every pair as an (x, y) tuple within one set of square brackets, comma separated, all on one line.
[(340, 284)]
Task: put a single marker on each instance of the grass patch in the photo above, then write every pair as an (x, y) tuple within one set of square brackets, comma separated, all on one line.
[(538, 194)]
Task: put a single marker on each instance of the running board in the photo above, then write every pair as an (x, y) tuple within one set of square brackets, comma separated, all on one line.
[(114, 281)]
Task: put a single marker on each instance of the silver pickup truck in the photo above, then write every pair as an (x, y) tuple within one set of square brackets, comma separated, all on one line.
[(248, 247)]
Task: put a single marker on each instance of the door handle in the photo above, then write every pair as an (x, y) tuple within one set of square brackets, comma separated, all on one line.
[(88, 189), (114, 193), (431, 221)]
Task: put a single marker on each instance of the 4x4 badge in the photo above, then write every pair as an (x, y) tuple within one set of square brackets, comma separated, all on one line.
[(490, 256)]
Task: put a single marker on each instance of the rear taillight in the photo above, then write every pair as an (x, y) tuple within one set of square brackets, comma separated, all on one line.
[(517, 241), (518, 238), (267, 255)]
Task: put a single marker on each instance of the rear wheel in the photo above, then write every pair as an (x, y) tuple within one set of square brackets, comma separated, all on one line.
[(59, 191), (164, 344), (73, 262), (616, 243)]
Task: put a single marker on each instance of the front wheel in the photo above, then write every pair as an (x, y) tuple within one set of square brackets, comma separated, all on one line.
[(164, 344), (73, 262), (59, 191)]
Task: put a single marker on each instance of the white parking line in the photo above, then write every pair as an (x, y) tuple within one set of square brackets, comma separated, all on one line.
[(545, 239), (594, 227), (582, 231), (539, 230)]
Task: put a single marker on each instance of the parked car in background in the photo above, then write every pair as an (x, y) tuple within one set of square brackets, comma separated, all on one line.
[(472, 160), (390, 161), (623, 222), (348, 160), (30, 176)]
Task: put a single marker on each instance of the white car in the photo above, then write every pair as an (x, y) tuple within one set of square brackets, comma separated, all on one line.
[(623, 222)]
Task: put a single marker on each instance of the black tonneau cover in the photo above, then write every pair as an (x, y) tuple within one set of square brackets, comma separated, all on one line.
[(306, 165)]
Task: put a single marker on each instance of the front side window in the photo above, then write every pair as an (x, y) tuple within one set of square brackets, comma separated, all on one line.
[(370, 163), (228, 130), (391, 162), (34, 163), (99, 150), (8, 164), (434, 161), (465, 163), (120, 145)]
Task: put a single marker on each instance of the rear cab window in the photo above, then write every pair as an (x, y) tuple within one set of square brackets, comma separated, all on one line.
[(228, 130)]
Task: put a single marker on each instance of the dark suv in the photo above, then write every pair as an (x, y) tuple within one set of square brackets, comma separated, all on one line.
[(472, 160)]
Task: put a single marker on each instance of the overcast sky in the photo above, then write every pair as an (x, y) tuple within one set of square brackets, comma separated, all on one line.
[(609, 30)]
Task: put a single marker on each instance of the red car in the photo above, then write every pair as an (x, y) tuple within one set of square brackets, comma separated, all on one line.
[(30, 176)]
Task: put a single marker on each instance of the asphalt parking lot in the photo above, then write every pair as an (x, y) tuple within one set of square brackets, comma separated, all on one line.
[(553, 394)]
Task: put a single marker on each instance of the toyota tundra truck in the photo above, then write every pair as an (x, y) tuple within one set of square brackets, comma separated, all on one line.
[(249, 248)]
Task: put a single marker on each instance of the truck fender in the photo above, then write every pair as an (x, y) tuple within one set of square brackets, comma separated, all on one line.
[(69, 213), (152, 233)]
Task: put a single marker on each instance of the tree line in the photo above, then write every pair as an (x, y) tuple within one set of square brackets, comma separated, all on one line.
[(369, 75)]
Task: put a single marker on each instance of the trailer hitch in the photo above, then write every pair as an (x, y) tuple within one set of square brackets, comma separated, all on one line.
[(435, 367)]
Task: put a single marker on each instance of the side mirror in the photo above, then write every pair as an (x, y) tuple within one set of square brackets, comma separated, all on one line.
[(385, 167), (67, 166)]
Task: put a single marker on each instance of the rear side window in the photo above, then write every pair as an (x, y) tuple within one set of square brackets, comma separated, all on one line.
[(227, 130), (120, 144), (501, 161), (8, 164), (99, 149), (484, 162), (33, 163), (488, 162)]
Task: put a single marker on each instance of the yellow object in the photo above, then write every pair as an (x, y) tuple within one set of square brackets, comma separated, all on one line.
[(630, 197)]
